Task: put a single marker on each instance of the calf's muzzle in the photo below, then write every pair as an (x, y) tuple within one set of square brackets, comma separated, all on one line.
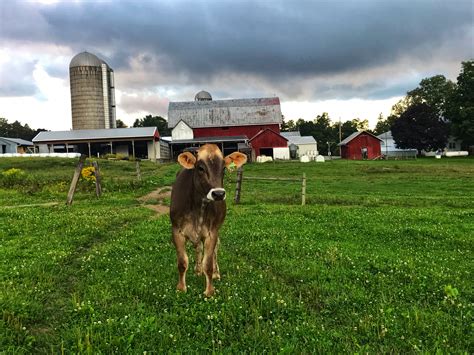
[(216, 194)]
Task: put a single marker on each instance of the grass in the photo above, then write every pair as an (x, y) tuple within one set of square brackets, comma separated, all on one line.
[(379, 260)]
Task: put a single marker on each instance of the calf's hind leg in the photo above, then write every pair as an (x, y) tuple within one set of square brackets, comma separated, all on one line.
[(180, 244), (198, 267)]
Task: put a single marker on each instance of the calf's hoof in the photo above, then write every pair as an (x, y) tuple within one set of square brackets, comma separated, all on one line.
[(181, 287), (198, 271), (216, 276), (209, 292)]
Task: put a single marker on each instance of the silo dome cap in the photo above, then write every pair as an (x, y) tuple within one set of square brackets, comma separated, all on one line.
[(203, 96), (85, 59)]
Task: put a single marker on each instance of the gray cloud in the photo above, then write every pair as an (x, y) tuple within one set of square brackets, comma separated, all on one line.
[(149, 103), (17, 79), (285, 48)]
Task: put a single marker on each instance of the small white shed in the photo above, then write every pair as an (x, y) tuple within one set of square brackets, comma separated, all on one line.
[(306, 144)]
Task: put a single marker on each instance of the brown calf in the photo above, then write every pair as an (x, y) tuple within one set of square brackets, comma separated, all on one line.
[(198, 209)]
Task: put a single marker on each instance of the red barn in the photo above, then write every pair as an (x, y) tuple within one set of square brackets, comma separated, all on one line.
[(222, 120), (265, 140), (361, 145)]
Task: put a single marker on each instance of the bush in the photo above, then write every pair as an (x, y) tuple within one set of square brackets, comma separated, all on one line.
[(13, 177)]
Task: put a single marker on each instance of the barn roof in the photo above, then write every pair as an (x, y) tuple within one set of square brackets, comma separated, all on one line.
[(220, 113), (221, 139), (356, 134), (300, 139), (291, 134), (96, 134), (265, 131), (18, 141)]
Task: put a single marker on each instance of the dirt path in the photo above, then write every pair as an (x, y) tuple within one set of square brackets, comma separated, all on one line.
[(155, 200), (47, 204)]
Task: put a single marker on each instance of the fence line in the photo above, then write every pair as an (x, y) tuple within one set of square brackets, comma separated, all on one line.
[(240, 178)]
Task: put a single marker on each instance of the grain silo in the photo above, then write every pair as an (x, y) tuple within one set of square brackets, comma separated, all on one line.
[(92, 92)]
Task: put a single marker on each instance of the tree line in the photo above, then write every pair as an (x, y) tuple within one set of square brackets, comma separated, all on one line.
[(17, 130), (423, 119)]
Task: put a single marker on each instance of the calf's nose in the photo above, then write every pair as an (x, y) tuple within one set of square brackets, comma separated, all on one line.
[(217, 194)]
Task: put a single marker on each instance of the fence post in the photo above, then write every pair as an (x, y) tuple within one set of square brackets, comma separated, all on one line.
[(137, 166), (75, 180), (238, 186), (303, 190), (98, 186)]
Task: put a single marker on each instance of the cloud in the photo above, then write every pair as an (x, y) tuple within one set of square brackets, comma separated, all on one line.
[(139, 103), (300, 51), (16, 78)]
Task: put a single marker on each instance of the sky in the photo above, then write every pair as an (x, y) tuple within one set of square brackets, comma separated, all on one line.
[(352, 59)]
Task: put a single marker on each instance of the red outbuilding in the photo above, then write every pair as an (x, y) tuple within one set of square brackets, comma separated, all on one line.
[(265, 140), (361, 145)]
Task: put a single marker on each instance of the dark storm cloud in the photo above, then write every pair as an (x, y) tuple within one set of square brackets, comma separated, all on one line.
[(17, 79), (275, 41)]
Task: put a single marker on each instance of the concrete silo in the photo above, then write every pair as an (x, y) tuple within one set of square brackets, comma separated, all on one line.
[(92, 92)]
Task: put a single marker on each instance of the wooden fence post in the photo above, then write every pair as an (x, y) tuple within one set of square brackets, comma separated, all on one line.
[(98, 186), (75, 180), (303, 190), (238, 186), (137, 166)]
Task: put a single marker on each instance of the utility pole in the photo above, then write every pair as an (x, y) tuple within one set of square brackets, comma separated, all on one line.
[(340, 132)]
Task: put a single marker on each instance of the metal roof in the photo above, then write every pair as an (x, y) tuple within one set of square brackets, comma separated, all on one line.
[(203, 96), (385, 135), (300, 140), (18, 141), (264, 131), (219, 113), (355, 134), (85, 59), (96, 134), (211, 140), (291, 134)]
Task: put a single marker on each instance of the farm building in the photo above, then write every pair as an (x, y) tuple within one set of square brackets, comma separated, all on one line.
[(92, 92), (195, 121), (361, 145), (389, 148), (140, 142), (15, 145), (305, 145)]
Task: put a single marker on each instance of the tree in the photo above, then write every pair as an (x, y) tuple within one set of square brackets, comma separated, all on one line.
[(17, 130), (347, 128), (436, 92), (287, 126), (361, 125), (384, 124), (154, 121), (461, 106), (420, 127), (120, 124)]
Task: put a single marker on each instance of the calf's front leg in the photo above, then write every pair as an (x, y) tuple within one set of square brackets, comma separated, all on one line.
[(179, 241), (215, 272), (208, 261)]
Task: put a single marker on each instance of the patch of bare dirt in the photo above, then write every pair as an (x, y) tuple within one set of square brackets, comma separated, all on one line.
[(155, 200)]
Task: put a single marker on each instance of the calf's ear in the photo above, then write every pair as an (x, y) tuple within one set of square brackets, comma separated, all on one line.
[(237, 158), (187, 160)]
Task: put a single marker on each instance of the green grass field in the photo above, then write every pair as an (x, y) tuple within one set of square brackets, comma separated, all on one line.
[(379, 260)]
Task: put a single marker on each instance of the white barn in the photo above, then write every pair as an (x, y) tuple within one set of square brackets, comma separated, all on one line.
[(306, 144), (389, 149)]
